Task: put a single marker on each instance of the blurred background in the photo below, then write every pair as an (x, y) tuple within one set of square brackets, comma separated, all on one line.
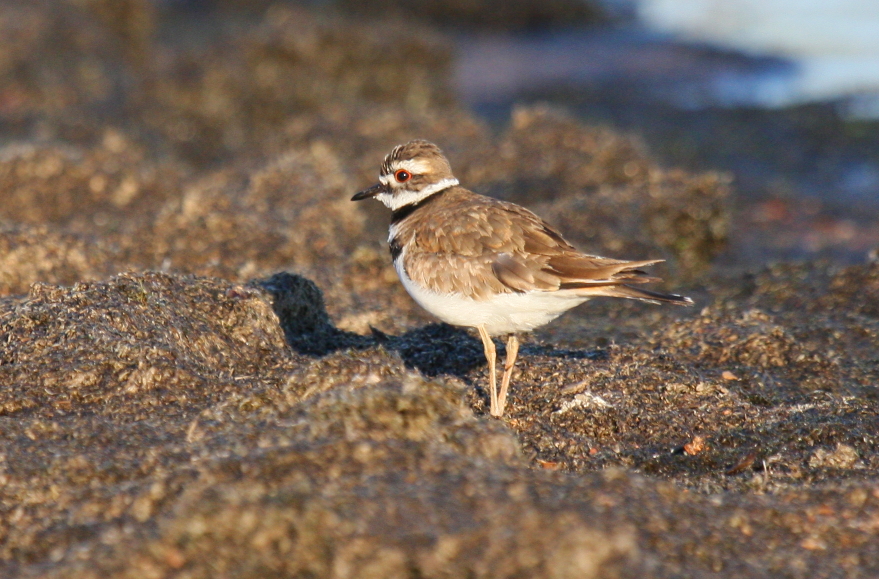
[(783, 94), (223, 137)]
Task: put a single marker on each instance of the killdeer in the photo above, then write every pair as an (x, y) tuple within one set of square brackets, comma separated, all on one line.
[(478, 262)]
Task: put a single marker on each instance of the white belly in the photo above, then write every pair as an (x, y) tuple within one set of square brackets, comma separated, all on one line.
[(501, 314)]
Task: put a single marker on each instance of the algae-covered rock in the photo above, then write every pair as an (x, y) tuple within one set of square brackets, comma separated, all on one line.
[(107, 188), (258, 396), (156, 424), (30, 254), (134, 342)]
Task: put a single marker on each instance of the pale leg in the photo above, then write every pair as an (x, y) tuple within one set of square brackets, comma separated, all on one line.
[(491, 356), (509, 363)]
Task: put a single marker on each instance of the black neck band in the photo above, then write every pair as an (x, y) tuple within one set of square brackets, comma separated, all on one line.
[(405, 211)]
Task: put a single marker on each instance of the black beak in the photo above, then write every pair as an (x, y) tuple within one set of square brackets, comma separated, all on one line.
[(369, 193)]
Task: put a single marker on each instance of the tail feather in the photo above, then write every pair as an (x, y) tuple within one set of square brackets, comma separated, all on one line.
[(590, 270), (590, 275), (636, 293)]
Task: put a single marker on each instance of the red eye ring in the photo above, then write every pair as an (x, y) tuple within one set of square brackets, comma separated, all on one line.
[(402, 175)]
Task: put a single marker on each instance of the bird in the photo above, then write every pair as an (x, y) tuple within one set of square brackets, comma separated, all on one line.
[(479, 262)]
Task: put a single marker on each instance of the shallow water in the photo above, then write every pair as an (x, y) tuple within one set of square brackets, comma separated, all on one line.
[(834, 45)]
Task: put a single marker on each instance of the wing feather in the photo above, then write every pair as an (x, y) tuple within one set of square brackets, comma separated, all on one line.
[(478, 246)]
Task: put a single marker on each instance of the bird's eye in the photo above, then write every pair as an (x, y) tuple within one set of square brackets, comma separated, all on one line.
[(402, 175)]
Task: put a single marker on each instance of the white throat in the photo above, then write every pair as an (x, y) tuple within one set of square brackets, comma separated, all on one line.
[(401, 198)]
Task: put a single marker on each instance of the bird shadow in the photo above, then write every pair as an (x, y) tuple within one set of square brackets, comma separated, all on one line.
[(434, 349), (552, 352), (299, 305), (437, 349)]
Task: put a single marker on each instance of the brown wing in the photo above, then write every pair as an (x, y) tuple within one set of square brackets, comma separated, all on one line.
[(477, 246), (453, 273)]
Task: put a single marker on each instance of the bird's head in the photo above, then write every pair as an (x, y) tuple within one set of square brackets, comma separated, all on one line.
[(410, 174)]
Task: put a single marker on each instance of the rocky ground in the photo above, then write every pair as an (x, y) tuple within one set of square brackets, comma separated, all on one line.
[(209, 368)]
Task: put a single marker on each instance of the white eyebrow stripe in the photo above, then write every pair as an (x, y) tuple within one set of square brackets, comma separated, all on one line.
[(414, 166)]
